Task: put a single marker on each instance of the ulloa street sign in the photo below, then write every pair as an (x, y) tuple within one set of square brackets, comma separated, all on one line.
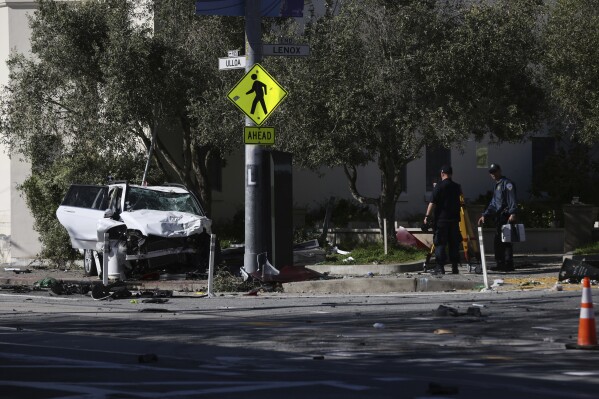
[(259, 135), (231, 63), (257, 94)]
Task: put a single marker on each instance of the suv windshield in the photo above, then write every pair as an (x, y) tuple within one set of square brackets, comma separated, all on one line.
[(142, 198)]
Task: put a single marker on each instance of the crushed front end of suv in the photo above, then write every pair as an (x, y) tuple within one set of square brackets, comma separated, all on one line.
[(148, 228)]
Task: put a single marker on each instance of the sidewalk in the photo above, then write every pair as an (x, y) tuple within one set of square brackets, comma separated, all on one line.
[(534, 271)]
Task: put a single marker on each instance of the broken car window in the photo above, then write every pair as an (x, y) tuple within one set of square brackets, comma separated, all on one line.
[(142, 198)]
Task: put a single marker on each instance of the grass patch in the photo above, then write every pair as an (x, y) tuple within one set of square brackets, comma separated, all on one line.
[(375, 254), (588, 249)]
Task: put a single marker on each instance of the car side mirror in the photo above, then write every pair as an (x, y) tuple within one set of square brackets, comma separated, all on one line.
[(108, 213)]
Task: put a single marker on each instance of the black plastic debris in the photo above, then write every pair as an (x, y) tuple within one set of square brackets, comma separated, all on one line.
[(443, 311), (474, 311), (67, 288), (17, 270), (100, 292), (155, 300), (574, 270), (16, 289), (117, 290), (121, 293)]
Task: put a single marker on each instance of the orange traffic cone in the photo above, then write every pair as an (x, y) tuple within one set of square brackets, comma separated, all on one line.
[(587, 334)]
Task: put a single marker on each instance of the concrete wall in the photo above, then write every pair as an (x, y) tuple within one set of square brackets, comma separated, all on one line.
[(537, 240), (18, 242)]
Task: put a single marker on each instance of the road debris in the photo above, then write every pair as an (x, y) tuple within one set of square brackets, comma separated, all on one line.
[(574, 270), (155, 300), (444, 311), (17, 270), (497, 283)]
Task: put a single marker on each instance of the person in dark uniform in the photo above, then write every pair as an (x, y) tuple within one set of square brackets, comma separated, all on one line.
[(447, 205), (502, 208)]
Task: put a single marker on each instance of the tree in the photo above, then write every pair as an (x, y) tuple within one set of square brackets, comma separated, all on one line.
[(572, 66), (385, 79), (105, 74)]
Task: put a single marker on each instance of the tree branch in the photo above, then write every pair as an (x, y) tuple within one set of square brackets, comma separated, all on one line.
[(352, 176)]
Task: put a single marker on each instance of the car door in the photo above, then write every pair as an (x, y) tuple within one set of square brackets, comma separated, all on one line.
[(79, 212)]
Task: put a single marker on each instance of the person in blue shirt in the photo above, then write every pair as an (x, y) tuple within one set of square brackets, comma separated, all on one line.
[(503, 208), (446, 202)]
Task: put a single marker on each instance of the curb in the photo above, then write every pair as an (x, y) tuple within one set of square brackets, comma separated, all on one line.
[(378, 285), (361, 270)]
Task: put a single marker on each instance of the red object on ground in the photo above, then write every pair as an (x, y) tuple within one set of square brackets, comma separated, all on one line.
[(405, 237)]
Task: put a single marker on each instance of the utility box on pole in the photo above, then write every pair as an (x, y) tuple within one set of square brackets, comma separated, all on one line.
[(281, 208)]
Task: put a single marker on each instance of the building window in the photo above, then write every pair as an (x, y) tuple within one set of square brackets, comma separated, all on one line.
[(435, 158), (482, 156)]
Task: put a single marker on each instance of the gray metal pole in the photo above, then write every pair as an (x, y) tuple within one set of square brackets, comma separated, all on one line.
[(254, 186), (211, 265)]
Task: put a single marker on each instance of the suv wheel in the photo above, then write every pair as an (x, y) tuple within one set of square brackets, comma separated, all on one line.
[(89, 263)]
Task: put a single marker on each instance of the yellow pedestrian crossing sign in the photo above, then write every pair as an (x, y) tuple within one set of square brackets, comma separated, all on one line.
[(257, 94)]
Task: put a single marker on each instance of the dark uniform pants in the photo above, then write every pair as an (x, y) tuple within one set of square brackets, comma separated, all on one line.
[(447, 235), (504, 251)]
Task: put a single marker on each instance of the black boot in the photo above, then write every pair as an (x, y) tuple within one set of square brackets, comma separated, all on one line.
[(454, 269), (438, 270)]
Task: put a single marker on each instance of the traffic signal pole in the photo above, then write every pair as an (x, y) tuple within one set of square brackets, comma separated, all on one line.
[(255, 185)]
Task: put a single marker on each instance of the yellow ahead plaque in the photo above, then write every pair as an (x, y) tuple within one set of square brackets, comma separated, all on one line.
[(259, 135), (257, 94)]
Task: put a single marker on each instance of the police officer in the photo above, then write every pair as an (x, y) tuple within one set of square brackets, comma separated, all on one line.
[(446, 201), (503, 208)]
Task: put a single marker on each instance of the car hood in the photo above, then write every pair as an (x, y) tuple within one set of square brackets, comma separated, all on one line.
[(166, 223)]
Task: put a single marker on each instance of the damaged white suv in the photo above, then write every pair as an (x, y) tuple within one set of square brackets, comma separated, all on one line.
[(149, 228)]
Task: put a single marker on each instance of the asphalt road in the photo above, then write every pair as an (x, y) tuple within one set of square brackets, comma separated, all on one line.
[(294, 346)]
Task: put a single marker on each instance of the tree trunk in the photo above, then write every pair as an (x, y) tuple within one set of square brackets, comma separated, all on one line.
[(390, 190), (193, 171)]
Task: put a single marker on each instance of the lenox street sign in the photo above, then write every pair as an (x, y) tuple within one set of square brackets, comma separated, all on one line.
[(231, 62), (289, 50)]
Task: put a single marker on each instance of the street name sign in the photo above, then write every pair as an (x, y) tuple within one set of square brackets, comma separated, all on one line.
[(257, 94), (289, 50), (259, 135), (231, 63)]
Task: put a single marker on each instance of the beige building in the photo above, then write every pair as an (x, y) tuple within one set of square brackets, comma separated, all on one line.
[(18, 241)]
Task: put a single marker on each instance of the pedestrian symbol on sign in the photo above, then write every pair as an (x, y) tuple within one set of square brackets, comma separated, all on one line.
[(260, 91), (257, 87)]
